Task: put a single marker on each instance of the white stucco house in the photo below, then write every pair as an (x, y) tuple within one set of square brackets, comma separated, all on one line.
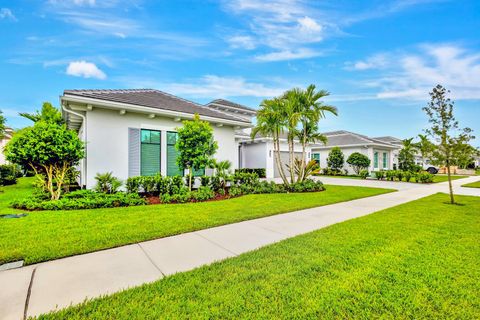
[(382, 151), (133, 132)]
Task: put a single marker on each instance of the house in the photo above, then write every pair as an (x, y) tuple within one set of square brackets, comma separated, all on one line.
[(259, 153), (3, 143), (133, 132), (382, 152)]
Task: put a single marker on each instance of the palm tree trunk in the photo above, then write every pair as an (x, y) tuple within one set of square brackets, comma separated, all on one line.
[(304, 161), (278, 161), (292, 155)]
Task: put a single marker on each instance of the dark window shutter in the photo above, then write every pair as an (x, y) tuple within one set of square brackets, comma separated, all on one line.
[(133, 152)]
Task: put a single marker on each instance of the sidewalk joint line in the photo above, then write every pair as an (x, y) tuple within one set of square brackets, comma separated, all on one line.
[(29, 292), (267, 229), (150, 259), (218, 245)]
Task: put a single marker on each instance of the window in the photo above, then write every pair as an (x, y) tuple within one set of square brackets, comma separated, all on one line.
[(385, 157), (316, 157), (150, 152), (172, 154), (375, 160)]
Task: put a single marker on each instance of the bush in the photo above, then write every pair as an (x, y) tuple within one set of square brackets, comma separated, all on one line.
[(107, 183), (400, 175), (261, 172), (408, 176), (391, 174), (205, 181), (155, 185), (9, 174), (364, 174), (245, 178), (424, 177), (335, 159), (379, 175), (81, 199), (307, 185), (358, 162), (203, 193)]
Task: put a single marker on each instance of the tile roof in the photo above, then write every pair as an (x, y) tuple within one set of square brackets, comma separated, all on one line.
[(153, 99), (228, 103), (345, 138)]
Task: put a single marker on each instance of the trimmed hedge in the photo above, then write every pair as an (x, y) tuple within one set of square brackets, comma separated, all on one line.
[(261, 172), (81, 199)]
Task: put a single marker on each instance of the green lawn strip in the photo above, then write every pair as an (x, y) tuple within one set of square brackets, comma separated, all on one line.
[(443, 178), (417, 260), (346, 177), (47, 235), (17, 191), (472, 185)]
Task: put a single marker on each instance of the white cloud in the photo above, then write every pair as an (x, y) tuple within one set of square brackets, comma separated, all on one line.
[(412, 76), (244, 42), (377, 61), (212, 86), (301, 53), (307, 24), (6, 13), (85, 69)]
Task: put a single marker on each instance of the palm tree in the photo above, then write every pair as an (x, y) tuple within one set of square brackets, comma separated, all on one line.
[(293, 114), (406, 156), (311, 111), (425, 147), (271, 123)]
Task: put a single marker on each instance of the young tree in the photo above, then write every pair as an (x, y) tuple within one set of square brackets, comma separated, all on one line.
[(445, 130), (48, 148), (195, 145), (335, 159), (406, 156), (48, 113), (358, 162)]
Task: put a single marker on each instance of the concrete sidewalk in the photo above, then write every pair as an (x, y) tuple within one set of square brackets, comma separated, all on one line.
[(56, 284)]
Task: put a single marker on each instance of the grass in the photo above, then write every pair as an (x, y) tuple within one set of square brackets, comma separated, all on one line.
[(47, 235), (18, 191), (443, 177), (475, 184), (418, 260)]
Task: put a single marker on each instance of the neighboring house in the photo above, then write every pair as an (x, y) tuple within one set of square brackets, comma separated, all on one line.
[(383, 154), (3, 143), (133, 132), (259, 153)]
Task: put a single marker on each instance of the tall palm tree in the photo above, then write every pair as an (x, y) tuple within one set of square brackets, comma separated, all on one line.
[(271, 122), (293, 113), (311, 111)]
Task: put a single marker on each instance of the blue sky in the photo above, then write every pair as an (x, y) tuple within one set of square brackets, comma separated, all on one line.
[(378, 59)]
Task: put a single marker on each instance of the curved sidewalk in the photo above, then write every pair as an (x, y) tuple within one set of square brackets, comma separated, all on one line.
[(40, 288)]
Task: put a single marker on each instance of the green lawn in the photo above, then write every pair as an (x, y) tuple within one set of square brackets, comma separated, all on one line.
[(443, 177), (472, 185), (415, 261), (18, 191), (46, 235)]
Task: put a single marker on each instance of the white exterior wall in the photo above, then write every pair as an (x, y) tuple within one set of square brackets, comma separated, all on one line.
[(107, 141), (368, 151), (254, 155), (3, 143)]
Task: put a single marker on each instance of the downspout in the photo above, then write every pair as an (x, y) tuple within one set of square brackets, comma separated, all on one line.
[(84, 160)]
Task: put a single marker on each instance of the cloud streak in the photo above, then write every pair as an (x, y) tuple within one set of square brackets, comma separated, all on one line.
[(85, 69)]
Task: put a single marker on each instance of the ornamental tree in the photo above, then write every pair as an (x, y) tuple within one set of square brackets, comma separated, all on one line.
[(406, 156), (335, 159), (195, 145), (50, 149), (445, 131), (358, 162)]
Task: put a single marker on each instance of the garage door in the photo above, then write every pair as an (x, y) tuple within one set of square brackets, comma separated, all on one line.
[(285, 157)]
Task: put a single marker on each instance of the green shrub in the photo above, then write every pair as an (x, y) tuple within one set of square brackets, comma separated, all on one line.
[(205, 181), (155, 185), (424, 177), (307, 185), (391, 174), (379, 175), (203, 193), (81, 199), (245, 178), (107, 183), (9, 174), (261, 172), (133, 184), (364, 174), (400, 175), (408, 176), (358, 161)]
